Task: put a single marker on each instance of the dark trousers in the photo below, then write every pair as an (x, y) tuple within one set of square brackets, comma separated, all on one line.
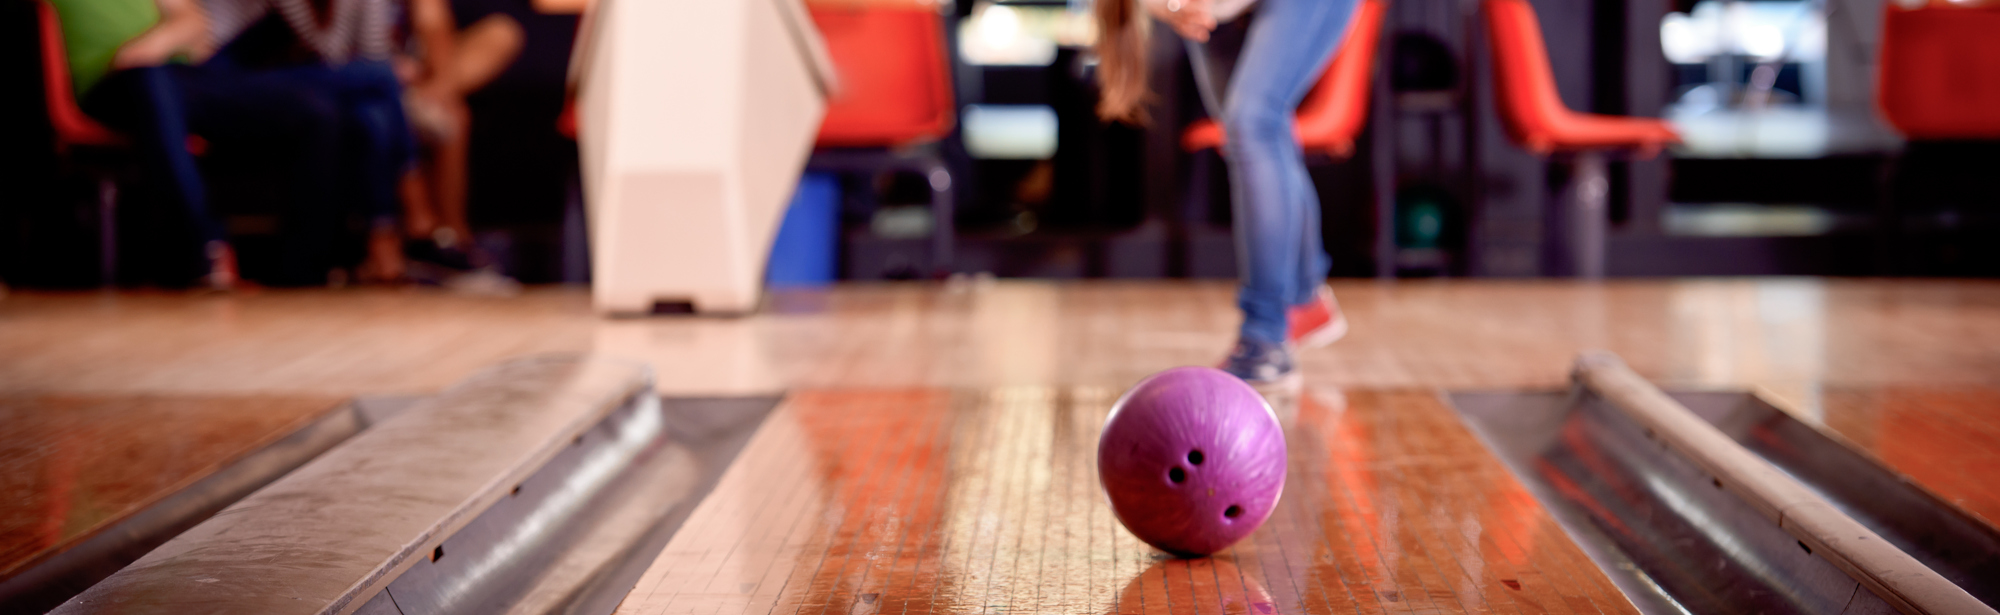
[(379, 144), (367, 99), (158, 107)]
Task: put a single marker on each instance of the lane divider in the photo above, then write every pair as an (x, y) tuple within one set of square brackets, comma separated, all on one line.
[(1821, 528)]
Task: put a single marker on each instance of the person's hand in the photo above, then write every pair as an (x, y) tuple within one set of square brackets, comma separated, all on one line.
[(143, 52), (161, 43), (1192, 19)]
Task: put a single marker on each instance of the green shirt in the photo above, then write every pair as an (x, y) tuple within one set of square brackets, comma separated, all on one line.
[(93, 30)]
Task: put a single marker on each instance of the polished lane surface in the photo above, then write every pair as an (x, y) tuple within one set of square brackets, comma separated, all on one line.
[(71, 465), (1906, 369), (1794, 337), (1945, 439), (986, 501)]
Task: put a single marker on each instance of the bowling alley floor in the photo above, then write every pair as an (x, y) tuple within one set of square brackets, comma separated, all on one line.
[(934, 449)]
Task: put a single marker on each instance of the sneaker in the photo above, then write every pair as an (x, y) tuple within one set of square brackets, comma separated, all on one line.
[(438, 253), (1316, 323), (484, 282), (1260, 362)]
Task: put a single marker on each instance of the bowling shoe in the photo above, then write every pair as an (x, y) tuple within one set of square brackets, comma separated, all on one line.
[(1316, 323), (1260, 362)]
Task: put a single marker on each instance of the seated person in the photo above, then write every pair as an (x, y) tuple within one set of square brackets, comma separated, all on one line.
[(130, 61), (338, 50), (445, 64)]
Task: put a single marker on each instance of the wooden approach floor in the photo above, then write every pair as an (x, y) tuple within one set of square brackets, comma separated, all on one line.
[(924, 501), (936, 433), (1791, 336)]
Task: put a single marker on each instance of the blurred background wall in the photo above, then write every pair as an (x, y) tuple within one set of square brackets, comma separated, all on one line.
[(1788, 167)]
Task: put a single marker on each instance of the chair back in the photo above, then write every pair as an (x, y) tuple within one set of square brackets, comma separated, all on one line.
[(895, 80), (1524, 87), (1336, 109), (72, 126), (1940, 70)]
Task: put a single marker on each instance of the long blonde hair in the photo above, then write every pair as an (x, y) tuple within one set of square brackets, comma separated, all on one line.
[(1122, 32)]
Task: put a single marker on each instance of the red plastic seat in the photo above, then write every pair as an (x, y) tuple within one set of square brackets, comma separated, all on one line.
[(1938, 68), (895, 81), (566, 123), (1525, 92), (1336, 109), (72, 126), (893, 101), (73, 129)]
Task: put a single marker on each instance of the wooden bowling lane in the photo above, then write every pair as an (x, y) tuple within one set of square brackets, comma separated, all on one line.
[(1943, 438), (72, 464), (986, 501)]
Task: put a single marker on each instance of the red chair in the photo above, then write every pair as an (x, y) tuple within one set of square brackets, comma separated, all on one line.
[(1535, 118), (894, 100), (72, 127), (1336, 109), (75, 130), (1938, 69), (895, 82)]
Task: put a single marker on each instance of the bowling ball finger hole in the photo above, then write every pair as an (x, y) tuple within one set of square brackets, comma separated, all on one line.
[(1177, 475), (1195, 457), (1232, 512)]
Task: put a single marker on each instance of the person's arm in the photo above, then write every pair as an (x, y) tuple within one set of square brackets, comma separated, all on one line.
[(1193, 19), (183, 29)]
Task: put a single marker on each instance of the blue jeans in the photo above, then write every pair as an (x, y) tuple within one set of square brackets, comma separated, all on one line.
[(368, 98), (379, 142), (159, 106), (1280, 259)]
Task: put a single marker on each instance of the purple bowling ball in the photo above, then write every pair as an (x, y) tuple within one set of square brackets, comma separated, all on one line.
[(1192, 459)]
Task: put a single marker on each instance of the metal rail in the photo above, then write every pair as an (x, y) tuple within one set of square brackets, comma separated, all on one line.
[(1822, 529), (334, 534)]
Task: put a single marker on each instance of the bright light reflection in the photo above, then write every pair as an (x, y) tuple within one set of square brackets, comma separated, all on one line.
[(1795, 31)]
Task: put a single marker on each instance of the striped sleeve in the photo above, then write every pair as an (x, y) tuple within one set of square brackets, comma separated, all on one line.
[(326, 41), (227, 19), (354, 28), (376, 40)]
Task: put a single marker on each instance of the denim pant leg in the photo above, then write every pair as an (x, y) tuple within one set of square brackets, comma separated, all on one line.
[(377, 146), (1279, 252), (148, 105), (298, 125), (372, 98)]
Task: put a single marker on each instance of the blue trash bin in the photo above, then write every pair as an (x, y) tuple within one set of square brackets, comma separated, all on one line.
[(807, 250)]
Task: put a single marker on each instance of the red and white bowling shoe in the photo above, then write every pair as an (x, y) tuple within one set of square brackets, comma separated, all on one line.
[(1316, 323)]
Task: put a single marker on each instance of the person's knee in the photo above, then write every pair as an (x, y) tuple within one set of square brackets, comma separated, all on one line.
[(496, 34), (485, 49), (1258, 124)]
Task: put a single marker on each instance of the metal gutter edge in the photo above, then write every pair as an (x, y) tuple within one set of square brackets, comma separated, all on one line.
[(338, 530), (1897, 577)]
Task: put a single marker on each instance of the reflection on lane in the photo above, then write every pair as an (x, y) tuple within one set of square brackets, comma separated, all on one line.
[(986, 501)]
